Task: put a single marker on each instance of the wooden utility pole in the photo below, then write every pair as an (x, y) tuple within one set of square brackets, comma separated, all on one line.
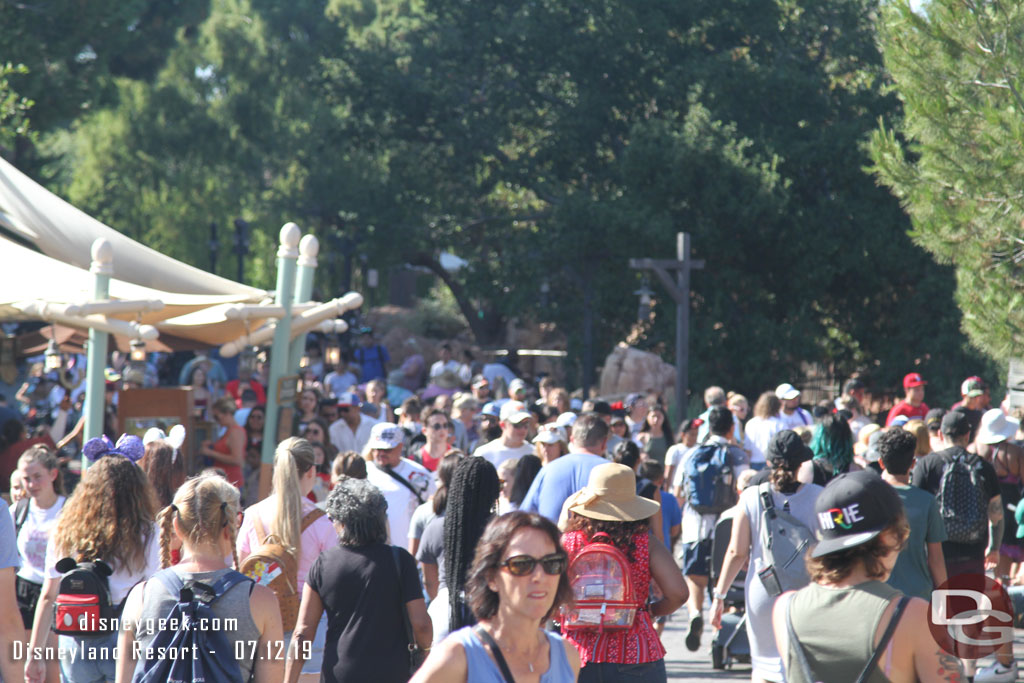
[(679, 289)]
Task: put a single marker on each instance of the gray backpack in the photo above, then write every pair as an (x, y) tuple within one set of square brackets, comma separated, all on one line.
[(784, 544)]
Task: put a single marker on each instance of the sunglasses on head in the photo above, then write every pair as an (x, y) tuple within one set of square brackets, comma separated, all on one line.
[(523, 565)]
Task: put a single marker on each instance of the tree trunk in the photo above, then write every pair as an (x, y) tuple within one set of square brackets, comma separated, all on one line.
[(487, 325)]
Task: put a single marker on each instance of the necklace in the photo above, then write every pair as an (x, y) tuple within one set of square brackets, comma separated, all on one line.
[(513, 651)]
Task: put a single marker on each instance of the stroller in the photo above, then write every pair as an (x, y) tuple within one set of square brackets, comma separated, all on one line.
[(730, 643)]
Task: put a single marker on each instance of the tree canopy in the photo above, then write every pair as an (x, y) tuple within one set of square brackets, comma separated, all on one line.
[(545, 143), (955, 159)]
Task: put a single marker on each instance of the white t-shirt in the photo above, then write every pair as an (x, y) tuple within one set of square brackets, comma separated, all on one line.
[(760, 431), (344, 439), (339, 384), (401, 501), (440, 367), (799, 418), (496, 452), (122, 580), (32, 538)]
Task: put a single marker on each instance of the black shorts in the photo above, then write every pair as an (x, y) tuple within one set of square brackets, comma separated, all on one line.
[(697, 558), (28, 595)]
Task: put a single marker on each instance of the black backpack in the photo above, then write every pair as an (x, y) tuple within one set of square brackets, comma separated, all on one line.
[(83, 606), (961, 500)]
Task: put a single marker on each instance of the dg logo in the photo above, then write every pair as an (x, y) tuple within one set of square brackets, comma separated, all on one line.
[(971, 615)]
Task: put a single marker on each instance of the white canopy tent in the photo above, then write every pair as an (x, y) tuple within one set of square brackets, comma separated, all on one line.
[(194, 301), (37, 216)]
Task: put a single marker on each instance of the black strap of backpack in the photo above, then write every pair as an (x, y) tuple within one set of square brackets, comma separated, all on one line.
[(492, 646), (409, 635), (20, 515), (865, 673), (404, 482)]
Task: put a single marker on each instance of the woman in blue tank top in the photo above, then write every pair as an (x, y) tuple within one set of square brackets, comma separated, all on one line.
[(517, 580)]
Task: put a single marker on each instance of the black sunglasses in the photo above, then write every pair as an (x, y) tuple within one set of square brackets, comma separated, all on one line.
[(438, 426), (523, 565)]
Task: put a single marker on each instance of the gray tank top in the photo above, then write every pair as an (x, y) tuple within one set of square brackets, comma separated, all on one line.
[(836, 628), (232, 609)]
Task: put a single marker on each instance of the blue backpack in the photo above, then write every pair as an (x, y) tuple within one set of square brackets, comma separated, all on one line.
[(212, 654), (710, 481)]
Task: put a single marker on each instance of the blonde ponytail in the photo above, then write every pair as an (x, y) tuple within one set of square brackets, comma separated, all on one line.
[(204, 505), (292, 459)]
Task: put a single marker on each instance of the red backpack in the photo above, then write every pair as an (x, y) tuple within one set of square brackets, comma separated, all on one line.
[(603, 590)]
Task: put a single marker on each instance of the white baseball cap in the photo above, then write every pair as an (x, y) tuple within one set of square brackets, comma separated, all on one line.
[(385, 436), (514, 412), (786, 391), (550, 434), (566, 420)]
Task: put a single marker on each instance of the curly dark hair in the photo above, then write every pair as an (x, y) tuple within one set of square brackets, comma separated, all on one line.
[(837, 566), (487, 560), (621, 533)]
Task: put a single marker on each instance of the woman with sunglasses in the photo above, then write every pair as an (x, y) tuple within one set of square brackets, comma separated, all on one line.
[(517, 580), (608, 508)]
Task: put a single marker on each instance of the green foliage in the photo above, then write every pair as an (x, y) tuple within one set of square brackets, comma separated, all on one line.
[(546, 143), (955, 160), (14, 108)]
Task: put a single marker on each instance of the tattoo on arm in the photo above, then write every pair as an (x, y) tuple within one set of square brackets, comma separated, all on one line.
[(995, 509), (950, 668)]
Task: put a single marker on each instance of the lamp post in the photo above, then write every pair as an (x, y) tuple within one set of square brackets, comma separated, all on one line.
[(102, 267), (214, 247), (241, 245), (679, 290), (309, 247), (287, 255)]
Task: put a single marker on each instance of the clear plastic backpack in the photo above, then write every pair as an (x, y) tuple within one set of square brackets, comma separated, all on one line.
[(603, 590)]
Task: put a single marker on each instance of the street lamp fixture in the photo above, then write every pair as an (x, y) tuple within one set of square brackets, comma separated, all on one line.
[(247, 361), (332, 355), (53, 359), (135, 373)]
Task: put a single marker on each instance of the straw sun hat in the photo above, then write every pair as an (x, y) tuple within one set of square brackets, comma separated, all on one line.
[(610, 495)]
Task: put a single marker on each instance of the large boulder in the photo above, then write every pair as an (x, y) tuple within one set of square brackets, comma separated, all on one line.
[(628, 369)]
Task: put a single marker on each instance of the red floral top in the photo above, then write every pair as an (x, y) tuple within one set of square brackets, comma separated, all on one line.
[(638, 645)]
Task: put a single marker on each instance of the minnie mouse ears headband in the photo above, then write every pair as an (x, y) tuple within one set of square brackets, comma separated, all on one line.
[(175, 438), (129, 446)]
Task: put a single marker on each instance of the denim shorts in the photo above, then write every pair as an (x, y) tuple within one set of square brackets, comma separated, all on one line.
[(88, 660), (603, 672)]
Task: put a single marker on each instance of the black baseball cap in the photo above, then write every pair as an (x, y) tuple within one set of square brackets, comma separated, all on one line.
[(787, 448), (956, 423), (934, 418), (853, 509)]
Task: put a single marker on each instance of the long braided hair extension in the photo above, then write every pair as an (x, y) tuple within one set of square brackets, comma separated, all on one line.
[(472, 496)]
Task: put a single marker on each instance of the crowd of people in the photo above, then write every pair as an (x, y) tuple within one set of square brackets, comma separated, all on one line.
[(458, 522)]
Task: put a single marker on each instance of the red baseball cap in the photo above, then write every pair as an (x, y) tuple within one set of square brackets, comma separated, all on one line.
[(913, 380)]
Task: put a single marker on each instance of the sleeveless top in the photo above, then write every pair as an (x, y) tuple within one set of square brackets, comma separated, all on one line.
[(836, 628), (157, 604), (640, 643), (233, 473), (480, 668)]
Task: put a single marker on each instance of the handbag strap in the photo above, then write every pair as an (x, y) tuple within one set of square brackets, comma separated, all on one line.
[(492, 646), (401, 606), (801, 656), (404, 482)]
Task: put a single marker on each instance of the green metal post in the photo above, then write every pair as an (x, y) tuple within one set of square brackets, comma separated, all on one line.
[(95, 388), (309, 247), (287, 254)]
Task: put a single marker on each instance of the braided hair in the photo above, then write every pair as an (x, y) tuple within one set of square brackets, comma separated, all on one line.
[(472, 496)]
